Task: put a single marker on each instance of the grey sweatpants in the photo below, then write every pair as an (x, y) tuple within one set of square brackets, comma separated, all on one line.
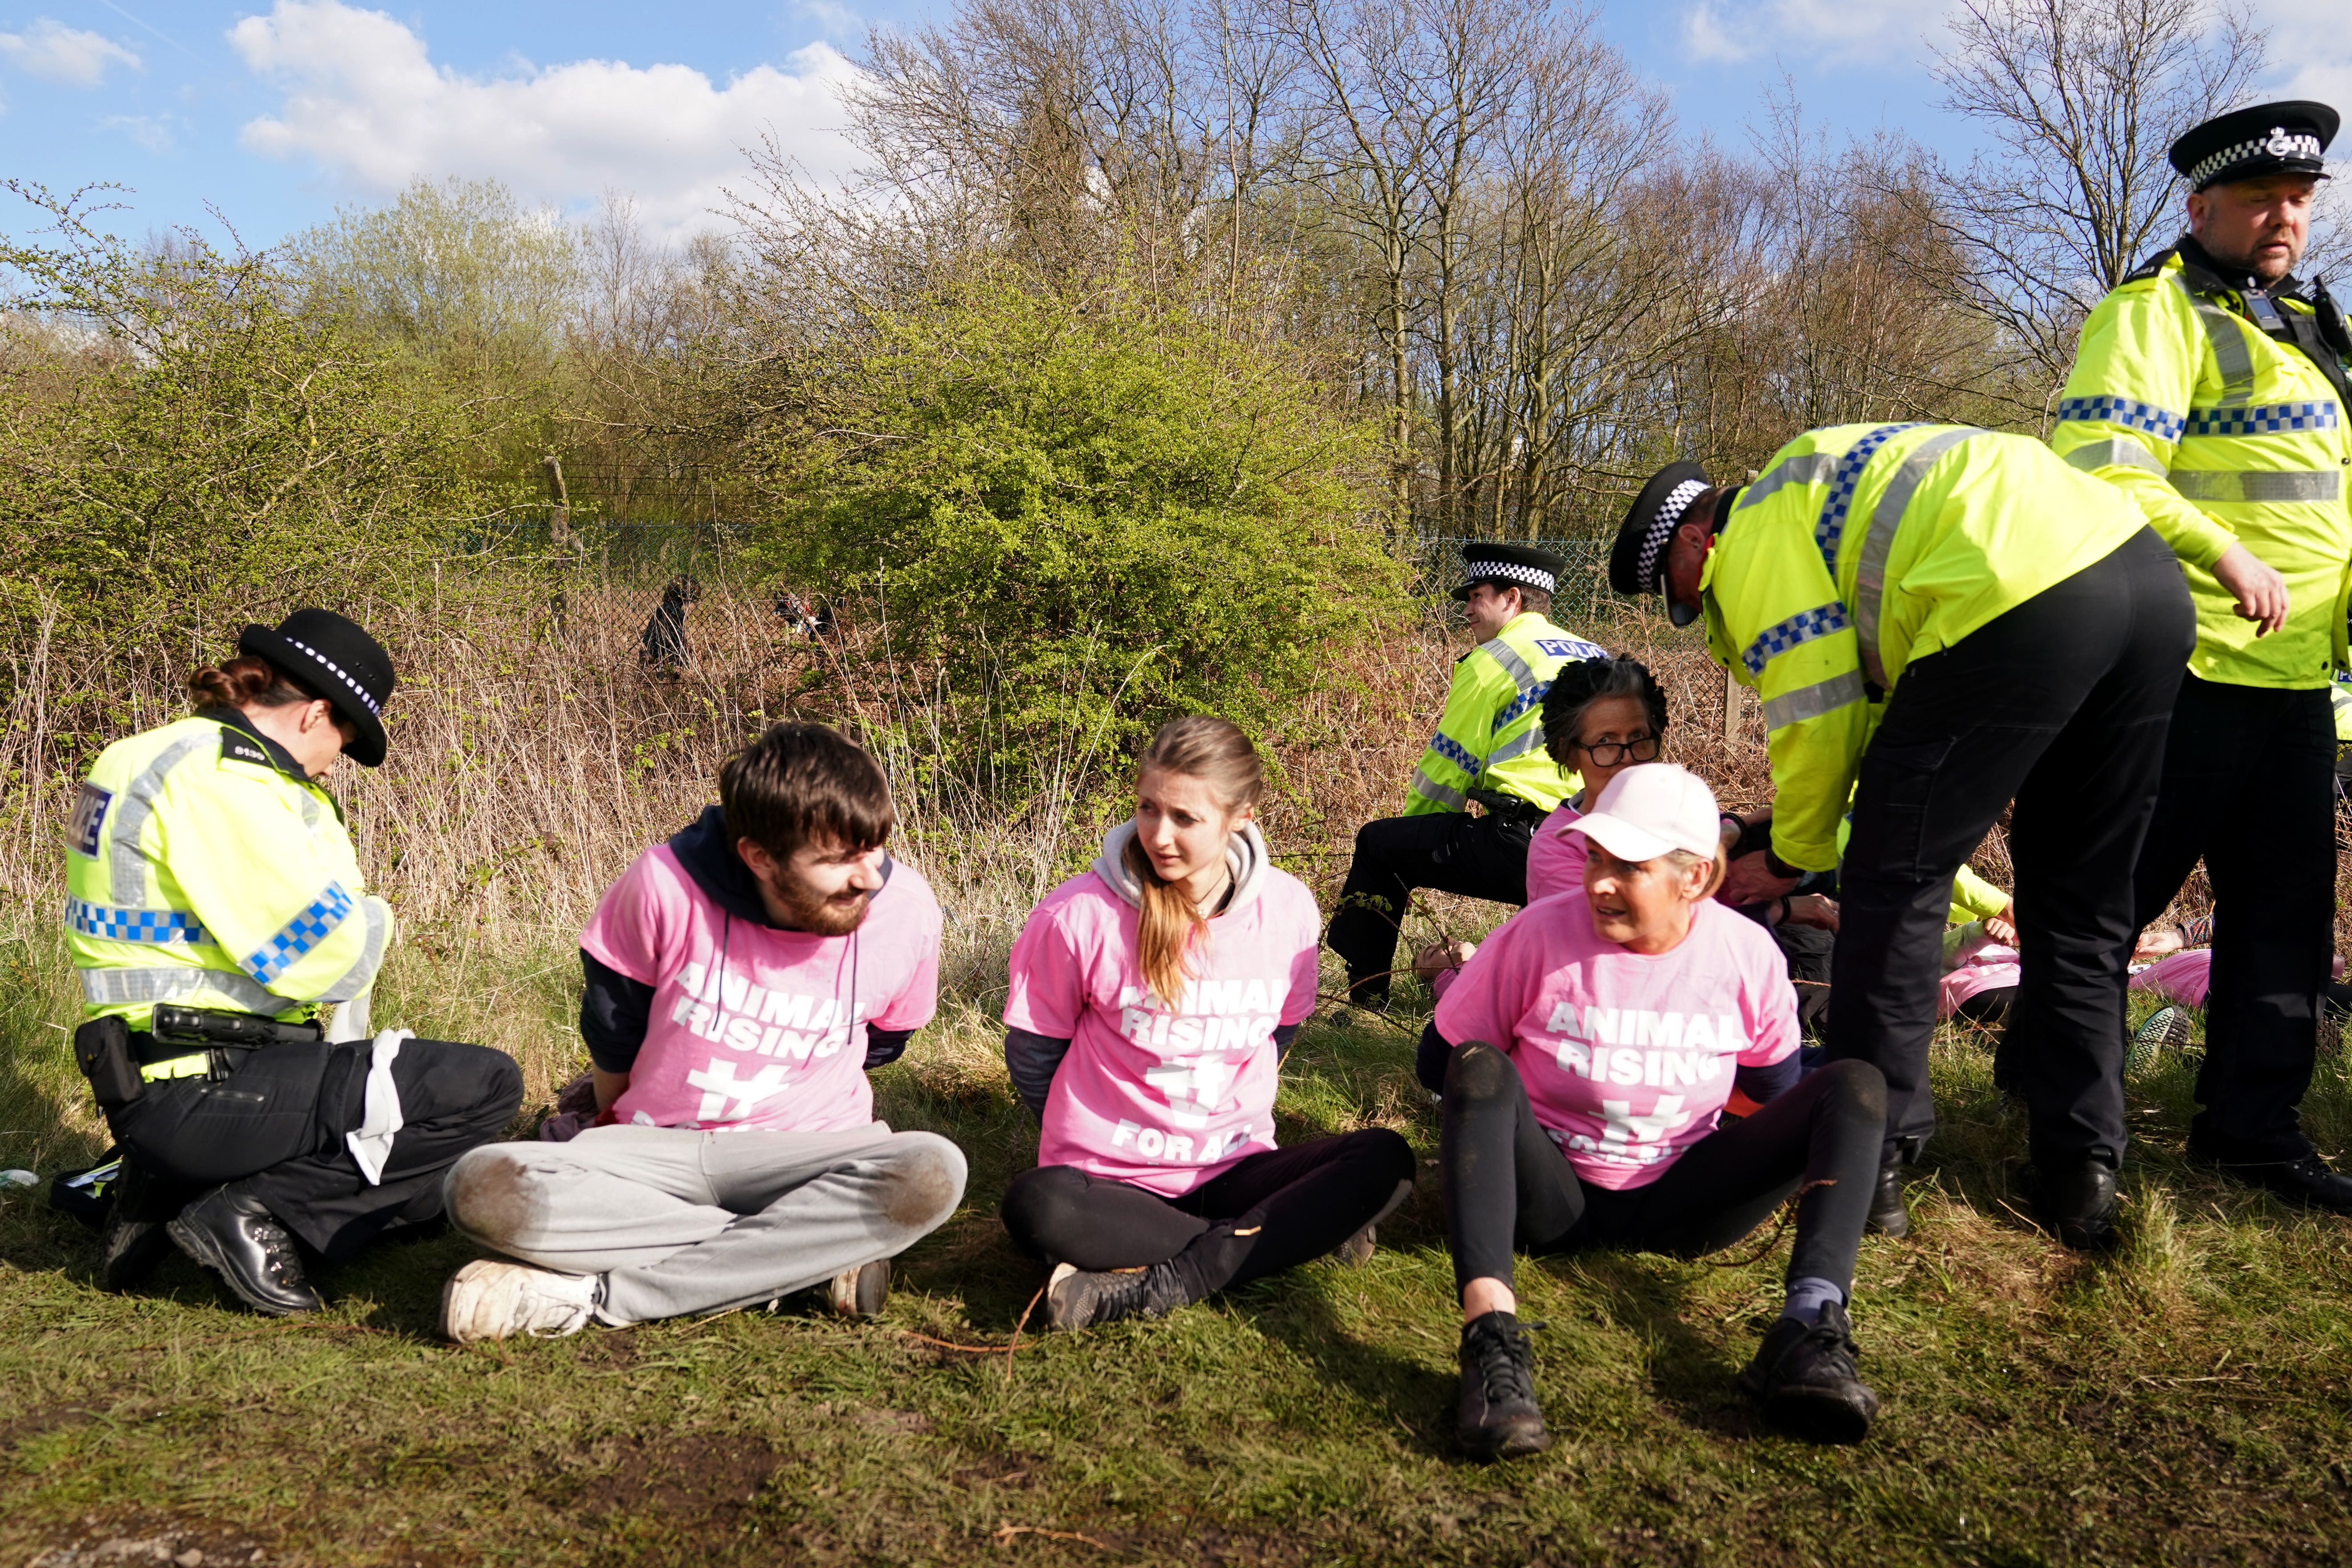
[(679, 1221)]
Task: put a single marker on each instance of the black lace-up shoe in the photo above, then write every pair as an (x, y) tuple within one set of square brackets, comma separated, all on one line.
[(1497, 1417), (1804, 1376), (234, 1236), (134, 1247), (1080, 1298), (2306, 1182), (1887, 1214), (2076, 1199)]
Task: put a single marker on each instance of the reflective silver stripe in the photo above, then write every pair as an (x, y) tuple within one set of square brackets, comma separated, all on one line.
[(2231, 357), (1519, 746), (1813, 701), (2115, 452), (1810, 469), (1430, 789), (1877, 542), (361, 974), (1513, 665), (108, 988), (2257, 485), (128, 868)]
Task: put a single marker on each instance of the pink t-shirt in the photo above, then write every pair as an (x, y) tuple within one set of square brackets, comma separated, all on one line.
[(1989, 968), (2183, 977), (1627, 1058), (1163, 1097), (756, 1027), (1556, 856)]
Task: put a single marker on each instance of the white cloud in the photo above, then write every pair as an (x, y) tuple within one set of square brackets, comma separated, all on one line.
[(365, 102), (1704, 36), (49, 49), (152, 131)]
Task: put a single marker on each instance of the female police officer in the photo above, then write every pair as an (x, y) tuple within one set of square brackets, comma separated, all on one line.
[(215, 909)]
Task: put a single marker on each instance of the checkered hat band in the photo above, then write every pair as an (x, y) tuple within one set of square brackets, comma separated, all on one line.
[(1662, 527), (341, 674), (1512, 572), (2274, 145)]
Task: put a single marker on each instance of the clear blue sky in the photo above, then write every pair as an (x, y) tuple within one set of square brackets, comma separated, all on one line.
[(276, 114)]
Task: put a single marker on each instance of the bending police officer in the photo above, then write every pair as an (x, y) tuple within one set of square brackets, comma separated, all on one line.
[(214, 908), (2210, 388), (1875, 586), (1489, 748)]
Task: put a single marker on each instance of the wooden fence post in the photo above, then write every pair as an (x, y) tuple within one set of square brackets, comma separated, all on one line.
[(1730, 706)]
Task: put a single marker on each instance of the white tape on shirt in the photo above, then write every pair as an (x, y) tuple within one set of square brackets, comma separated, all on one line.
[(371, 1140)]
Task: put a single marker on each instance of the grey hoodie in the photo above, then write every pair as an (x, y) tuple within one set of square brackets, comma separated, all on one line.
[(1246, 856)]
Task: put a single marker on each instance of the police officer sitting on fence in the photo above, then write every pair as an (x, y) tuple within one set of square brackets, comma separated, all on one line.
[(1489, 747), (214, 910)]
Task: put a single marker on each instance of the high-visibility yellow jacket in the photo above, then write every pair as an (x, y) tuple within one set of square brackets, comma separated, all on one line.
[(203, 868), (2339, 697), (2223, 434), (1863, 548), (1491, 734)]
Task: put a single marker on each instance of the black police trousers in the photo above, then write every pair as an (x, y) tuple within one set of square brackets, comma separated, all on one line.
[(1454, 852), (2248, 786), (274, 1127), (2060, 705)]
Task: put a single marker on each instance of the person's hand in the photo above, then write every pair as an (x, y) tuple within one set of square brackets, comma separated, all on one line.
[(1440, 956), (2261, 592), (1811, 910), (2158, 942), (2002, 927), (1749, 880)]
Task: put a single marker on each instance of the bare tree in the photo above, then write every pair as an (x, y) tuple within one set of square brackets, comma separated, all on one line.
[(2081, 98)]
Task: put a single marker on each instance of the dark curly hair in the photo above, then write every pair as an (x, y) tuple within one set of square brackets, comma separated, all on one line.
[(1580, 685)]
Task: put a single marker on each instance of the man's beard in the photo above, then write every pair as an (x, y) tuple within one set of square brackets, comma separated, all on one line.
[(813, 912)]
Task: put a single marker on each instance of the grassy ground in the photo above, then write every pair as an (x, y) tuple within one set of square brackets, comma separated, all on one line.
[(2183, 1401)]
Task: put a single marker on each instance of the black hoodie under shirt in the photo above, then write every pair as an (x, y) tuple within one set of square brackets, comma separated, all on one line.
[(614, 1010)]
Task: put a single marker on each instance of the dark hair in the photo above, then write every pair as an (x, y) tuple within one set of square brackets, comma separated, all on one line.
[(1215, 751), (1580, 684), (1532, 601), (804, 783), (249, 681)]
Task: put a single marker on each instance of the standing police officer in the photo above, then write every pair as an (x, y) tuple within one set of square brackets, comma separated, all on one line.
[(215, 909), (1873, 586), (2210, 387), (1489, 748)]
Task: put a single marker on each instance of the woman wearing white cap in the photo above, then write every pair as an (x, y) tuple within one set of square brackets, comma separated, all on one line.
[(1595, 1040)]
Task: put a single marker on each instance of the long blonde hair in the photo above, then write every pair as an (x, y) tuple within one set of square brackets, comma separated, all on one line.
[(1215, 751)]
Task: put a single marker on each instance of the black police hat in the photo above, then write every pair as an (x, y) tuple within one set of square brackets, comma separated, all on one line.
[(2246, 143), (1637, 562), (1509, 566), (334, 657)]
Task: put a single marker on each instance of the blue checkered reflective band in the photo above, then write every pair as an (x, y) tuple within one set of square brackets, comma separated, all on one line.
[(2160, 422), (132, 925), (303, 932), (1459, 756), (1840, 499), (2262, 419), (1801, 627), (1520, 704)]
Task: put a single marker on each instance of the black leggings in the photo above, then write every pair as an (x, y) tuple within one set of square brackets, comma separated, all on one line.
[(1262, 1214), (1509, 1188)]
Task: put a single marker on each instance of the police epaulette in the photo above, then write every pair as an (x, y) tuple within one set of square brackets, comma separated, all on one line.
[(236, 748), (2153, 264)]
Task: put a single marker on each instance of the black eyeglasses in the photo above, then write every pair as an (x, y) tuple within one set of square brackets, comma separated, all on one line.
[(1609, 754)]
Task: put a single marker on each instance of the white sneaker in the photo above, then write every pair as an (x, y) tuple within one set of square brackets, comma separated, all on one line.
[(488, 1299), (861, 1292)]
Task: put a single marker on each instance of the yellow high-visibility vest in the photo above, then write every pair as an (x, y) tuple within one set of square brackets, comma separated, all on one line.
[(1491, 734)]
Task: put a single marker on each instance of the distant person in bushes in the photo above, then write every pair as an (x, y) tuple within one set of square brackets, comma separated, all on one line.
[(1592, 1044), (1152, 999), (741, 979), (1488, 749), (661, 647), (216, 913)]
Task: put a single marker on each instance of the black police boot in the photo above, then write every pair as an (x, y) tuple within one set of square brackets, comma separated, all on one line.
[(1804, 1376), (135, 1239), (233, 1235), (2306, 1182), (2076, 1197), (1887, 1214), (1497, 1417)]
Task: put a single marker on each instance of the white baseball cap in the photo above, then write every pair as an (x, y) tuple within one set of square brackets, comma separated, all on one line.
[(1651, 808)]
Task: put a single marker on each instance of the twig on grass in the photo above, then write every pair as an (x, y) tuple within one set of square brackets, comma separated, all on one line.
[(1007, 1350), (1007, 1533)]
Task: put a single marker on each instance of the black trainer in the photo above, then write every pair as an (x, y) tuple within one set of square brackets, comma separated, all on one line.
[(1804, 1376), (1887, 1214), (233, 1235), (134, 1247), (1497, 1417), (2076, 1199), (1080, 1298), (2306, 1182)]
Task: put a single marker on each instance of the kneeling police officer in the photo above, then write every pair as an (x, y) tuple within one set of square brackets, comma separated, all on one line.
[(215, 910)]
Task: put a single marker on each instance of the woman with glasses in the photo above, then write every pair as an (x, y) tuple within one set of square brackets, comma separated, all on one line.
[(1600, 717)]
